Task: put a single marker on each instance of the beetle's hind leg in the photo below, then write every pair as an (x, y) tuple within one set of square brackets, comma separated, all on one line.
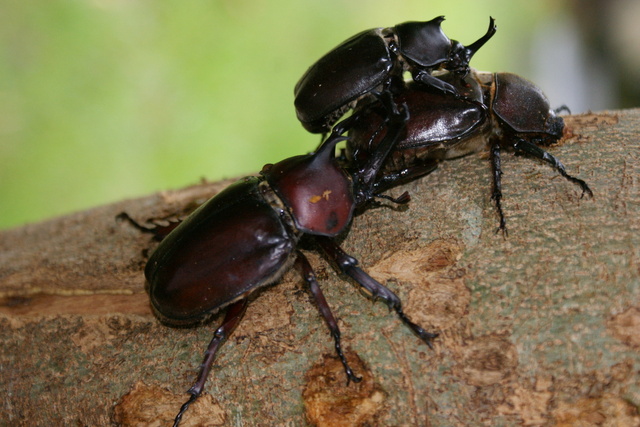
[(526, 147), (159, 231), (562, 109), (348, 265), (302, 264), (396, 121), (496, 193), (231, 319)]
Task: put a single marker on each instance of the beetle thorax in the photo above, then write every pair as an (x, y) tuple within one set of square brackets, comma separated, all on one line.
[(278, 205)]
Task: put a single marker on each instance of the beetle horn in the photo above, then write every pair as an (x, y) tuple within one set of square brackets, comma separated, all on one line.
[(328, 146), (474, 47), (461, 55)]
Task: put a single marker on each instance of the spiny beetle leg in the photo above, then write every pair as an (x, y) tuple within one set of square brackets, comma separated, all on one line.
[(385, 98), (395, 123), (402, 199), (348, 265), (159, 231), (531, 149), (496, 194), (302, 264), (231, 319), (393, 179), (428, 80), (341, 127)]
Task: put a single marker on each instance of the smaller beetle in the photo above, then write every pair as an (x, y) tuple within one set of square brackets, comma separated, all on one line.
[(495, 110), (246, 237), (374, 60)]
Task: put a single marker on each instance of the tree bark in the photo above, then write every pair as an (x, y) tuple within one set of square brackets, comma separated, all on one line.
[(538, 327)]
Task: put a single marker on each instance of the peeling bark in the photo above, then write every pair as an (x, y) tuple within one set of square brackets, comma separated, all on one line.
[(540, 327)]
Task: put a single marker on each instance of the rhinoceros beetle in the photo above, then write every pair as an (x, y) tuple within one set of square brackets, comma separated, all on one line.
[(247, 236), (374, 60), (495, 110)]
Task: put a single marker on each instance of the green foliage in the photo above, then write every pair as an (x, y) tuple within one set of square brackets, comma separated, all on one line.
[(106, 99)]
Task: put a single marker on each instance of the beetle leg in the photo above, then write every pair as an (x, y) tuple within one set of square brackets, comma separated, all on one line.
[(496, 194), (309, 276), (231, 320), (366, 176), (384, 97), (427, 79), (348, 265), (402, 199), (159, 231), (395, 122), (563, 108), (531, 149), (393, 179)]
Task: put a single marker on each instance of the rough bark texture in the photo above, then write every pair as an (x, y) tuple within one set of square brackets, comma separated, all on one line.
[(539, 328)]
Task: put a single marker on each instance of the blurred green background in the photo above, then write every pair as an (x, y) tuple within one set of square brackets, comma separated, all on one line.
[(102, 100)]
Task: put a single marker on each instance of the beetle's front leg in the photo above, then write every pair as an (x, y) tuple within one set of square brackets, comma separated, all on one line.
[(526, 147), (395, 123), (309, 276), (392, 179), (348, 265), (231, 319), (427, 79)]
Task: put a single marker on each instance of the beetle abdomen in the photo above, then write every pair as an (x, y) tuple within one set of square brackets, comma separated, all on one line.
[(440, 127), (349, 71), (231, 245)]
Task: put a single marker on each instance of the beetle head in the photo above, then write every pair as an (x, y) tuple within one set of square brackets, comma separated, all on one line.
[(423, 43), (461, 56), (316, 190)]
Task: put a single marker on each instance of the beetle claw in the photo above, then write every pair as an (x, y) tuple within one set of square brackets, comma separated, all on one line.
[(402, 199), (502, 228), (352, 377), (348, 265), (183, 409)]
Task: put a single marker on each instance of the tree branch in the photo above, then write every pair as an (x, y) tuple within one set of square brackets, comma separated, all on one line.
[(540, 327)]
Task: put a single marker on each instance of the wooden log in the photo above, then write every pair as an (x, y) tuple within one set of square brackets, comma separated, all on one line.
[(540, 327)]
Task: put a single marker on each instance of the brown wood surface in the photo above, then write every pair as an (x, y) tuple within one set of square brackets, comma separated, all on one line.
[(539, 328)]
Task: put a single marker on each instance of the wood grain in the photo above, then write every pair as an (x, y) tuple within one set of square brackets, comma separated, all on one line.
[(539, 328)]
